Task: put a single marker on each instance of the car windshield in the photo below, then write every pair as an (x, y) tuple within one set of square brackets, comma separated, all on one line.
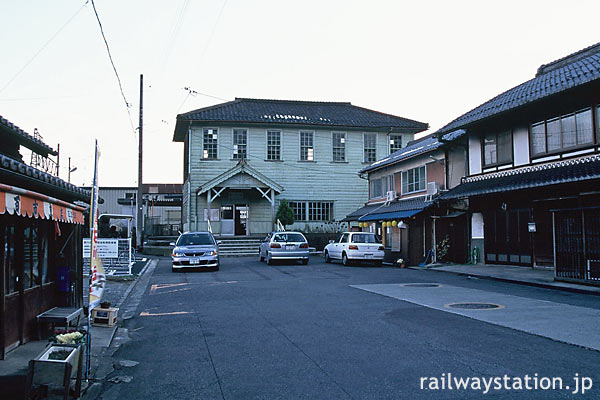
[(195, 239), (364, 238), (289, 237)]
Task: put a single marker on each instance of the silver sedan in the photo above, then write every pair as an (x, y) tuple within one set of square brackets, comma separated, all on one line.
[(284, 246), (195, 250)]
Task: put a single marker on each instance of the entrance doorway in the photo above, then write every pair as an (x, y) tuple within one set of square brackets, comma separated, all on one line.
[(241, 220), (507, 239)]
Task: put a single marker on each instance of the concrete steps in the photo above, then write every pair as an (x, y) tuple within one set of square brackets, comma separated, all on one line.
[(235, 247)]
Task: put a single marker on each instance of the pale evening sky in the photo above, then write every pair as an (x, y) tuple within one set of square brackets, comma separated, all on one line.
[(429, 60)]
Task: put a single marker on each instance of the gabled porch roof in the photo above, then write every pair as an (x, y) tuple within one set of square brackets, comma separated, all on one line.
[(241, 167)]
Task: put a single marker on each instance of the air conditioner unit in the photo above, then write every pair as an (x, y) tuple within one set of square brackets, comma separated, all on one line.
[(391, 195), (433, 188)]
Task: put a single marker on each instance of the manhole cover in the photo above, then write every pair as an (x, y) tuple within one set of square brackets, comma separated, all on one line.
[(475, 306), (421, 285)]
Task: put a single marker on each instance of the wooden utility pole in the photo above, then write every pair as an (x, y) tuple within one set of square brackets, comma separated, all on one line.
[(139, 200)]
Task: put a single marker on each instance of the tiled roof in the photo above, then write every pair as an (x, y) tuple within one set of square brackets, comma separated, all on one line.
[(414, 203), (568, 171), (413, 149), (308, 113), (27, 177), (26, 139), (566, 73)]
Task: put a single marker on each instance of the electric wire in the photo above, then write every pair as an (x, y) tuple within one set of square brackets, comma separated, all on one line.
[(212, 33), (127, 105), (43, 47)]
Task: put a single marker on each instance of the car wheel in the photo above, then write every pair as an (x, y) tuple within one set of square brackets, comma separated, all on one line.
[(173, 269), (327, 258), (305, 262), (345, 259), (269, 259), (378, 263)]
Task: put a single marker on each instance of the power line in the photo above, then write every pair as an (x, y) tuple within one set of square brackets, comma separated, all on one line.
[(127, 105), (43, 47), (212, 33), (191, 92)]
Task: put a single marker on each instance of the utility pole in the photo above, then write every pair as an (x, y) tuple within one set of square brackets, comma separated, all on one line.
[(139, 200)]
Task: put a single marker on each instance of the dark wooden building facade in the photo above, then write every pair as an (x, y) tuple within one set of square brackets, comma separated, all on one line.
[(40, 237), (532, 188)]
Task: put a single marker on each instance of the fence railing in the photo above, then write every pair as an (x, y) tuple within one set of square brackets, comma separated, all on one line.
[(120, 265)]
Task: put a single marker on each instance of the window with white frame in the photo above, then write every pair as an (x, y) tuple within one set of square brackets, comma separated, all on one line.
[(240, 143), (413, 180), (370, 147), (273, 145), (210, 143), (380, 186), (395, 143), (339, 146), (312, 210), (307, 150)]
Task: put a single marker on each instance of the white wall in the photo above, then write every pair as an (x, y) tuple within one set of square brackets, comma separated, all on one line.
[(521, 145), (474, 155)]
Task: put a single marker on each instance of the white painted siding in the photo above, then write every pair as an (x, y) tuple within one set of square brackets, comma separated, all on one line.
[(474, 155), (521, 145)]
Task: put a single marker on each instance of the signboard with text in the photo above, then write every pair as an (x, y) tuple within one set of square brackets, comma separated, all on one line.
[(107, 248)]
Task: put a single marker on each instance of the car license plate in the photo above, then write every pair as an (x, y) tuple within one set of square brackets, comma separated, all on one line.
[(290, 247), (194, 261), (368, 256)]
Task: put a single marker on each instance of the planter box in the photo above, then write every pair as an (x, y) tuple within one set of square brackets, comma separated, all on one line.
[(104, 316), (45, 371)]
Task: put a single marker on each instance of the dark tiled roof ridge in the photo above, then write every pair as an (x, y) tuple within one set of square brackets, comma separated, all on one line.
[(213, 107), (18, 167), (14, 128), (583, 69), (532, 168), (424, 124), (288, 101), (568, 59)]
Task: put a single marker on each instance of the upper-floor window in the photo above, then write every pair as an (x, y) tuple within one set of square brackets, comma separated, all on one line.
[(380, 186), (497, 148), (395, 143), (273, 145), (562, 133), (413, 180), (240, 143), (339, 146), (209, 142), (370, 147), (307, 149)]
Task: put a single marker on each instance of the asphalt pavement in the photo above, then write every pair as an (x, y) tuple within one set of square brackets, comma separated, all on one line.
[(252, 331)]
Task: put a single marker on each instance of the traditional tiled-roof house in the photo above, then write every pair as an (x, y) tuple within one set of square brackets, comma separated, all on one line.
[(402, 189), (533, 171), (243, 156), (40, 237)]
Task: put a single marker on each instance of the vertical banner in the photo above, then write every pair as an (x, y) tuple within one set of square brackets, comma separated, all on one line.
[(97, 277)]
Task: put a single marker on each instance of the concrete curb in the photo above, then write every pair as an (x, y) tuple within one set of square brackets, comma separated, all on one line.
[(132, 284), (577, 289)]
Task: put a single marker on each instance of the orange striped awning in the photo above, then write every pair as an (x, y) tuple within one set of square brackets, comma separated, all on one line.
[(26, 203)]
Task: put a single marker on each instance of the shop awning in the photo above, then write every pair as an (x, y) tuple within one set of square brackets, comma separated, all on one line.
[(390, 215), (26, 203)]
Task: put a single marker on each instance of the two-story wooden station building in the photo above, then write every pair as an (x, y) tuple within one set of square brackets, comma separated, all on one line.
[(243, 156), (532, 187)]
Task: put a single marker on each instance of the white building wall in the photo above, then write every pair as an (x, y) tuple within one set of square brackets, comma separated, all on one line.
[(521, 145), (474, 155)]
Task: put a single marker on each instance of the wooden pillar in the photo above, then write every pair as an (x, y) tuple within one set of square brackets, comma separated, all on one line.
[(2, 289), (272, 210)]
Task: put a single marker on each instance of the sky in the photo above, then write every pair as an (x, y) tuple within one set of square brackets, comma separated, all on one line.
[(430, 61)]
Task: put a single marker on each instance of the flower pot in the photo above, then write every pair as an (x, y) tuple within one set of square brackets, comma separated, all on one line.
[(57, 365)]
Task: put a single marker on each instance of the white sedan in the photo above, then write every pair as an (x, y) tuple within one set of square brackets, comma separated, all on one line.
[(354, 246)]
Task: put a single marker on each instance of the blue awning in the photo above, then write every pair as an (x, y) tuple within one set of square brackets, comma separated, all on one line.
[(390, 215)]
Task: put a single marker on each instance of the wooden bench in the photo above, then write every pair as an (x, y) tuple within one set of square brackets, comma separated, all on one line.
[(62, 316)]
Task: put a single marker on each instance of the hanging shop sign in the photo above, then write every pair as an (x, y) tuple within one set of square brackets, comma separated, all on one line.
[(25, 203)]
